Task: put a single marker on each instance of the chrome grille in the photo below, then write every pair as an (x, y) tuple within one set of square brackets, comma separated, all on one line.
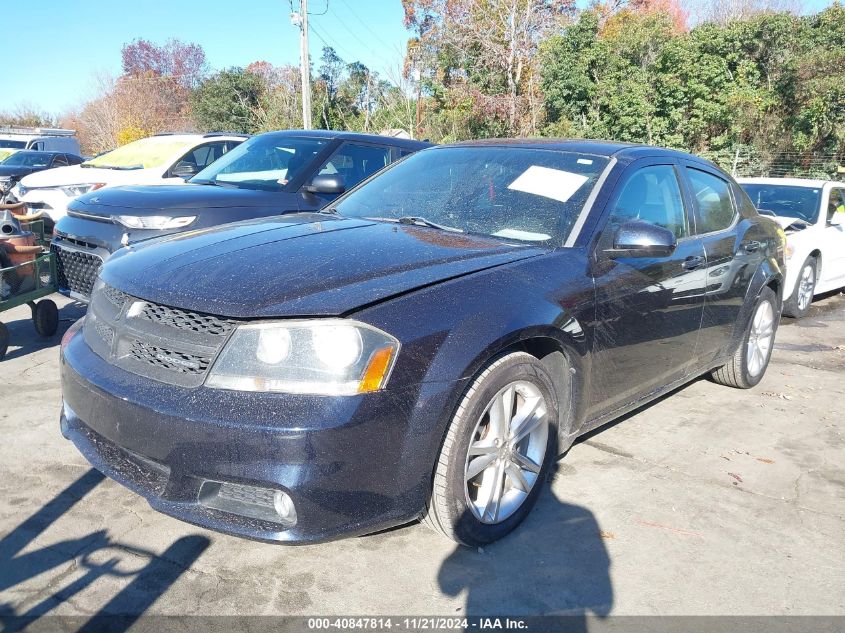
[(105, 333), (77, 270), (163, 343), (170, 359), (117, 297), (184, 320)]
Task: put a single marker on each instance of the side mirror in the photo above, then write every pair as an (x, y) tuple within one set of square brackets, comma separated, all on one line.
[(184, 170), (642, 239), (327, 183)]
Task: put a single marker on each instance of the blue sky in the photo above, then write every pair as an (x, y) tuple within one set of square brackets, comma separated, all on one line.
[(67, 42)]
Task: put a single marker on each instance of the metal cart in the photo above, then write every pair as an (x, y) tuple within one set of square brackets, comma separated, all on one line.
[(27, 283)]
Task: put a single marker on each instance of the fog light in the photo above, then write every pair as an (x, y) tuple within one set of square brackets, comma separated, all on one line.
[(284, 507), (249, 501)]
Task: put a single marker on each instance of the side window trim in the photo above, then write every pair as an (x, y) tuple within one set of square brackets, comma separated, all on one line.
[(706, 169)]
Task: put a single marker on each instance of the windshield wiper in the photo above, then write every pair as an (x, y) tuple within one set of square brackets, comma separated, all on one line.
[(418, 221)]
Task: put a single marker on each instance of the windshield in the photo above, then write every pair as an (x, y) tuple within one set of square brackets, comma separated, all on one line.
[(268, 162), (526, 194), (28, 159), (802, 203), (4, 142), (142, 154)]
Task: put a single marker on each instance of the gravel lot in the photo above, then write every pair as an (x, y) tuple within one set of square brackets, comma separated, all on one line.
[(710, 501)]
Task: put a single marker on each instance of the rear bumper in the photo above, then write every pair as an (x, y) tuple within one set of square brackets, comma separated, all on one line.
[(351, 465)]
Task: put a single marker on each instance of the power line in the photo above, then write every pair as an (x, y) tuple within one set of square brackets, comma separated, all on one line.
[(364, 24)]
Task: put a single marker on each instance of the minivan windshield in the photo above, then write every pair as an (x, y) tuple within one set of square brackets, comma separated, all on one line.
[(516, 193), (267, 162), (28, 159), (802, 203), (144, 153)]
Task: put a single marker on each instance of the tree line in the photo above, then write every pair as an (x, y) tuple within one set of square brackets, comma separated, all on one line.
[(753, 86)]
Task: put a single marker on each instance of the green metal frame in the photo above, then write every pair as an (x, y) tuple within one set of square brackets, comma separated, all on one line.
[(41, 289)]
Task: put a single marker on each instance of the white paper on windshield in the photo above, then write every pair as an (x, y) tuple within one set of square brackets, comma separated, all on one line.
[(549, 183), (528, 236)]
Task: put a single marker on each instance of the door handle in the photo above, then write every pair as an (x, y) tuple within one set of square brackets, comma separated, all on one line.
[(752, 246), (692, 262)]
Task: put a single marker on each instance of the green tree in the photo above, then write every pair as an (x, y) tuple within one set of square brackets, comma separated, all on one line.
[(228, 101)]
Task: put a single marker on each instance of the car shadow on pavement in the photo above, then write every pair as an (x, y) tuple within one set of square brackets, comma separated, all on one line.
[(93, 556), (23, 338), (558, 548)]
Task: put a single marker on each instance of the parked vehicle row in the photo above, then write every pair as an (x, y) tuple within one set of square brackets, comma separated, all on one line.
[(426, 345), (161, 159), (270, 174)]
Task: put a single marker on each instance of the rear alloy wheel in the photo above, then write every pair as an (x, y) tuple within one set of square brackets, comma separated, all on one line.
[(496, 453), (802, 297), (751, 358)]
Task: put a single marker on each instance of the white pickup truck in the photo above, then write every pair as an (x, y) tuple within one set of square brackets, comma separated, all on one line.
[(812, 213), (162, 159)]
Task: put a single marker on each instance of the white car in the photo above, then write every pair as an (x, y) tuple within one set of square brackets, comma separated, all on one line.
[(162, 159), (812, 213)]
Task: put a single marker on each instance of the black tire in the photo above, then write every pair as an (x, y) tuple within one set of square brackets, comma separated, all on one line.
[(46, 317), (791, 307), (4, 340), (736, 373), (449, 512)]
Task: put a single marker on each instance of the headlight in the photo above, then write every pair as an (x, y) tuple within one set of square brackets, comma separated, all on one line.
[(19, 191), (78, 190), (334, 357), (153, 221)]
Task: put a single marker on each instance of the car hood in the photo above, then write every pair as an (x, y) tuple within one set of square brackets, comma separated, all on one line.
[(14, 170), (300, 265), (78, 175), (153, 199)]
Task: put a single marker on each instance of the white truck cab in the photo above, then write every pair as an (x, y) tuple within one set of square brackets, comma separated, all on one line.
[(41, 139)]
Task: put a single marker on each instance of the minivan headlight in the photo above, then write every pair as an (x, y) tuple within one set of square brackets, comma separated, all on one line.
[(159, 222), (335, 357)]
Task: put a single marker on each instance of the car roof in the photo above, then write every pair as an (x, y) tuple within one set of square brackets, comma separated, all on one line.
[(587, 146), (353, 136), (792, 182)]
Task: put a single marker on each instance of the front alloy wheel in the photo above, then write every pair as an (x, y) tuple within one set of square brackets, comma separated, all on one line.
[(497, 451), (506, 452)]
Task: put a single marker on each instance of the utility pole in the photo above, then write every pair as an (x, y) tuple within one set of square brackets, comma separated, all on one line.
[(301, 20)]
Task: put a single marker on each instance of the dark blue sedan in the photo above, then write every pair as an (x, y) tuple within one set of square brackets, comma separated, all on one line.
[(426, 346)]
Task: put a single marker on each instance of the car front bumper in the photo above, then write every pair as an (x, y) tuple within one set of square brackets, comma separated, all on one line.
[(52, 202), (351, 465)]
